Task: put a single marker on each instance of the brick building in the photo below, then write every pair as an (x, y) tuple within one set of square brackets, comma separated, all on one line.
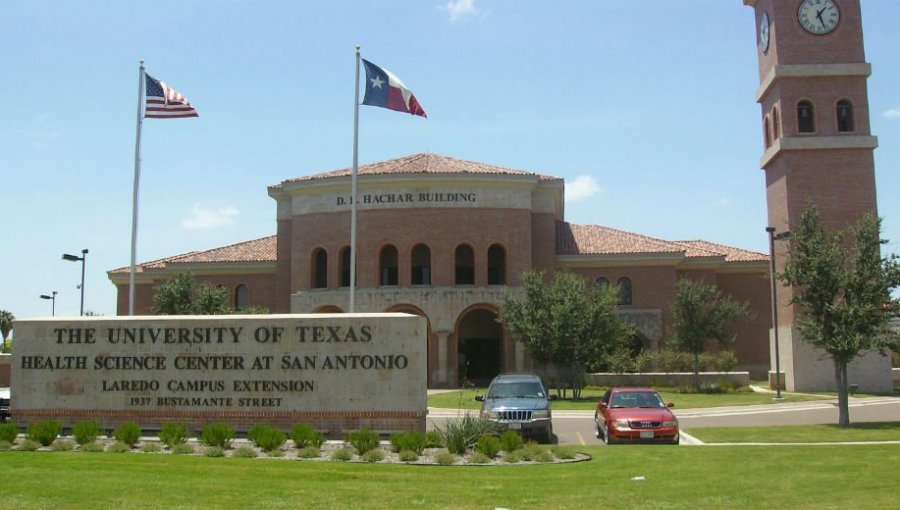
[(444, 238)]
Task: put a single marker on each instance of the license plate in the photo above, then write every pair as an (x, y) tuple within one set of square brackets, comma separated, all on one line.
[(648, 434), (514, 426)]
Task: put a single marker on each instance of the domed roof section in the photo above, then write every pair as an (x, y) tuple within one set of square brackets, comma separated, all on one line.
[(424, 163)]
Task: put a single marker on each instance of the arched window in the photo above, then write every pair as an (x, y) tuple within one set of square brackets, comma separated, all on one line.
[(344, 268), (601, 283), (387, 265), (767, 135), (806, 122), (845, 116), (776, 125), (240, 297), (465, 265), (319, 277), (624, 295), (496, 265), (421, 265)]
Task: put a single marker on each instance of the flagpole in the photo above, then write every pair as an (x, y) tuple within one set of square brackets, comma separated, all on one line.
[(353, 189), (134, 202)]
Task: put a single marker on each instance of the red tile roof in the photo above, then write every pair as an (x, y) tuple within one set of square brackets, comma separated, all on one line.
[(257, 250), (599, 240), (424, 163)]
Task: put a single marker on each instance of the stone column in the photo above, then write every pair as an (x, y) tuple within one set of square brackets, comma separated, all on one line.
[(443, 358)]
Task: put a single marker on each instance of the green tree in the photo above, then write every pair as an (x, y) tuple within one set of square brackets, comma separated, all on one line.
[(178, 296), (564, 323), (702, 313), (842, 286), (6, 325)]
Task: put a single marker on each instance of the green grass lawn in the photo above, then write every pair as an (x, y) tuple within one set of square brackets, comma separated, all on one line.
[(883, 431), (842, 477), (465, 399)]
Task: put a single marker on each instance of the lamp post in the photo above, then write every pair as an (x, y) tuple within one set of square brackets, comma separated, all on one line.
[(772, 238), (52, 299), (75, 258)]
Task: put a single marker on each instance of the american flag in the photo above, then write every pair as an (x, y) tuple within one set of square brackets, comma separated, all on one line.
[(164, 102)]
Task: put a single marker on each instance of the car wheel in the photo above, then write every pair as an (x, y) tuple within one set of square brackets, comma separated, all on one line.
[(597, 432)]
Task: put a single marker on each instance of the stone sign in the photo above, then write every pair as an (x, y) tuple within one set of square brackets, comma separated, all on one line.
[(338, 372)]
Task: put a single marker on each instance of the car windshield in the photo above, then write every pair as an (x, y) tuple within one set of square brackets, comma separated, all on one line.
[(644, 399), (516, 390)]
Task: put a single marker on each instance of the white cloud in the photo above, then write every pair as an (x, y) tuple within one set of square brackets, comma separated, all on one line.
[(459, 9), (583, 186), (893, 113), (204, 219)]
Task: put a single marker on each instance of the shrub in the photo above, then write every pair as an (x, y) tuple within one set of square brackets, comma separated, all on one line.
[(723, 361), (488, 446), (479, 458), (128, 432), (275, 453), (29, 445), (531, 451), (62, 445), (245, 452), (183, 449), (675, 361), (562, 452), (433, 439), (86, 432), (408, 456), (118, 447), (214, 451), (414, 441), (513, 456), (172, 434), (344, 454), (92, 447), (44, 432), (310, 452), (511, 441), (374, 455), (151, 448), (266, 437), (305, 435), (543, 456), (8, 432), (460, 434), (217, 434), (363, 440), (445, 459), (5, 445)]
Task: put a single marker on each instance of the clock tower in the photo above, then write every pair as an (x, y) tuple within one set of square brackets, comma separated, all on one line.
[(817, 146)]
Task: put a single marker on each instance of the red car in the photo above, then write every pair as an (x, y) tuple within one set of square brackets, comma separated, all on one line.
[(635, 415)]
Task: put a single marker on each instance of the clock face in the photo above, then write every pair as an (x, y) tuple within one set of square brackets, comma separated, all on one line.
[(764, 32), (818, 17)]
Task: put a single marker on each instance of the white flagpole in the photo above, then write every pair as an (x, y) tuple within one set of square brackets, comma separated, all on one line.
[(353, 190), (137, 180)]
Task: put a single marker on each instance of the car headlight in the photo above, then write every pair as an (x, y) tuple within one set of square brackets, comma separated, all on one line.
[(622, 424), (544, 413), (670, 423), (489, 415)]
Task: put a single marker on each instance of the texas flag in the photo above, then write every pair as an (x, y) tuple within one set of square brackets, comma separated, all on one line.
[(387, 91)]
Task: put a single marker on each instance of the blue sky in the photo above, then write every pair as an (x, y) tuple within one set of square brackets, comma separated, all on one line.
[(647, 109)]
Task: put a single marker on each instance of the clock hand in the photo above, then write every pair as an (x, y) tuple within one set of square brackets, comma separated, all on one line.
[(819, 16)]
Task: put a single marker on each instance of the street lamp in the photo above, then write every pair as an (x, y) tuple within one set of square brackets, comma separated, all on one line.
[(772, 238), (52, 299), (75, 258)]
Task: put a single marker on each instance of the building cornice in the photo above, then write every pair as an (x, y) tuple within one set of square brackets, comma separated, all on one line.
[(813, 142), (779, 72)]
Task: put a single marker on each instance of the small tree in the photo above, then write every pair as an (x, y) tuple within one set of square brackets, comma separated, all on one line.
[(6, 325), (843, 288), (702, 313), (564, 323), (178, 297)]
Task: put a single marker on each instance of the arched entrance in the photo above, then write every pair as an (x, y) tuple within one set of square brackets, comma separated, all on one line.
[(431, 347), (479, 346)]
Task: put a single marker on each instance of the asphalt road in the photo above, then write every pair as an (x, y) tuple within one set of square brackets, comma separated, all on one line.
[(577, 427)]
